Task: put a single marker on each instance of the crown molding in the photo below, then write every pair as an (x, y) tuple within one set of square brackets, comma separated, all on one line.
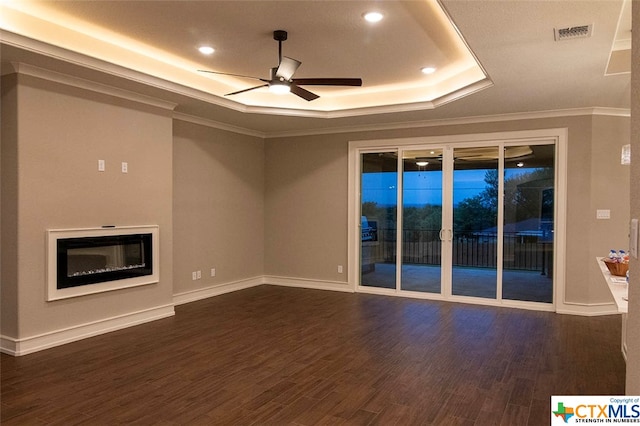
[(382, 109), (53, 76), (595, 111), (67, 56), (533, 115), (217, 125), (74, 58)]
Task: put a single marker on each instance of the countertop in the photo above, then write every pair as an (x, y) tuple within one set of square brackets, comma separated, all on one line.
[(619, 290)]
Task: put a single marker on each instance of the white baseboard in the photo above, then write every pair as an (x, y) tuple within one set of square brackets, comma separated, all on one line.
[(308, 283), (27, 345), (203, 293), (586, 309)]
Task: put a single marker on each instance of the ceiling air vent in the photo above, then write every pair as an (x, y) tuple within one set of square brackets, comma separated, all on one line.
[(568, 33)]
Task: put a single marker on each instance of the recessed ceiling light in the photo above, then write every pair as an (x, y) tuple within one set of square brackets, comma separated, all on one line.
[(428, 70), (373, 16), (206, 50)]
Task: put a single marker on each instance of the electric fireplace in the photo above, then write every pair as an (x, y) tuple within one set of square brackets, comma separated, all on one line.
[(85, 261)]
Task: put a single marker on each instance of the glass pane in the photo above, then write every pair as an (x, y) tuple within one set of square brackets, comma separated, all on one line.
[(378, 211), (528, 223), (422, 220), (475, 212)]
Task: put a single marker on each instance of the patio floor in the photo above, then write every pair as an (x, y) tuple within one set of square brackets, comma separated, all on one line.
[(529, 286)]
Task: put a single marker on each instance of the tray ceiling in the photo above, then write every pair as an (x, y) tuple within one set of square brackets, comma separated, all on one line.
[(497, 57)]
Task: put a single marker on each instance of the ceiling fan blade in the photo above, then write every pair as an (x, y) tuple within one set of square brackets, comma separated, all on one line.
[(246, 90), (287, 67), (303, 93), (234, 75), (328, 81)]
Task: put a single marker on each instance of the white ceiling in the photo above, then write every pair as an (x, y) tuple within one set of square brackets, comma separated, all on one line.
[(492, 57)]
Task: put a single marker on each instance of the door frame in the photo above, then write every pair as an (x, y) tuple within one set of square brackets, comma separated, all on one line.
[(557, 136)]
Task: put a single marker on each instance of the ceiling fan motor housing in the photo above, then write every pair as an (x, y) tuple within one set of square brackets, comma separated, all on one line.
[(273, 76)]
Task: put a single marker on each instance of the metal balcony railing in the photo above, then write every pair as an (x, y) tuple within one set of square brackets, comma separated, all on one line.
[(479, 249)]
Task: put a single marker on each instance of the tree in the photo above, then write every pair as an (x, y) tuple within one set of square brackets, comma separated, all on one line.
[(523, 193), (522, 200), (474, 214), (427, 217)]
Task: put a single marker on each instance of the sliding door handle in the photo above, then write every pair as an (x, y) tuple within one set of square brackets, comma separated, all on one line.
[(449, 234)]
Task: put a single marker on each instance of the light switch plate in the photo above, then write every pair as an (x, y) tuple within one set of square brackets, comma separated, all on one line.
[(603, 214), (625, 157)]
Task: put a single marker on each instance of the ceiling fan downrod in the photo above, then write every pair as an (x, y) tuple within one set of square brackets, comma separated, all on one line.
[(279, 36)]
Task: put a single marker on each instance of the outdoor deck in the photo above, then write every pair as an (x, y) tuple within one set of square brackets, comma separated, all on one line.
[(467, 281)]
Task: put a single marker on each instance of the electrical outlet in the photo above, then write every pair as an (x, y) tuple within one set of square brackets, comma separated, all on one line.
[(339, 269), (194, 276), (213, 272), (125, 167), (199, 274), (101, 165)]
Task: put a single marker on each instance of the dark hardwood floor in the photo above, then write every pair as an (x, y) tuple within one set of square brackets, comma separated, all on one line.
[(284, 356)]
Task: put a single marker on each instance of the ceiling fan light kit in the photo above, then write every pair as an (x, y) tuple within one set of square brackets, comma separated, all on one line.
[(279, 87), (281, 79)]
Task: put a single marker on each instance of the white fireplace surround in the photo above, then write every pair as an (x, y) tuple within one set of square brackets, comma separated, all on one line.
[(53, 235)]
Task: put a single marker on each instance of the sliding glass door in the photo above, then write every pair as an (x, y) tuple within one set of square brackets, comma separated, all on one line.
[(529, 222), (378, 219), (422, 200), (475, 220), (463, 221)]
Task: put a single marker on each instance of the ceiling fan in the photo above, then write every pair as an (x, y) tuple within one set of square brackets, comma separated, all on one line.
[(281, 80)]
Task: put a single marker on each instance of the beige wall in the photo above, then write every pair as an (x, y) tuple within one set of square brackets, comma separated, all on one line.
[(306, 208), (633, 333), (61, 132), (306, 199), (9, 208), (610, 185), (218, 206), (240, 204)]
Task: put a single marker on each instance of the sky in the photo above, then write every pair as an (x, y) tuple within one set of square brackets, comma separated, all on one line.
[(421, 188)]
